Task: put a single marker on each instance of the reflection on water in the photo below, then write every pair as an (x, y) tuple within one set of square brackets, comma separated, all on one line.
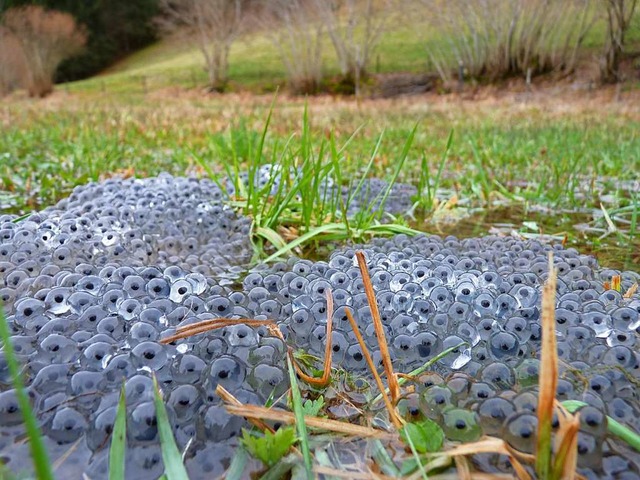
[(576, 229)]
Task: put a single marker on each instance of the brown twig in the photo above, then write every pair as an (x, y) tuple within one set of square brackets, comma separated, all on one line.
[(566, 458), (394, 389), (212, 324), (393, 415), (263, 413), (631, 291), (328, 351), (229, 399)]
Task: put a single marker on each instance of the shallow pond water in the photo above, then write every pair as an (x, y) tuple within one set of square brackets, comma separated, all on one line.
[(576, 229)]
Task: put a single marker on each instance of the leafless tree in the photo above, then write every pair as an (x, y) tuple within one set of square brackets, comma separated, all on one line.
[(355, 28), (213, 25), (13, 67), (46, 38), (294, 29), (499, 38), (618, 15)]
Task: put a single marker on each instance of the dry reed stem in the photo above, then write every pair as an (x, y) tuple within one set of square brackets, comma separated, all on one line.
[(615, 282), (566, 458), (488, 445), (564, 416), (438, 462), (328, 351), (63, 458), (632, 290), (474, 476), (263, 413), (394, 389), (334, 472), (495, 445), (521, 472), (393, 414), (213, 324), (229, 399), (548, 377), (463, 468)]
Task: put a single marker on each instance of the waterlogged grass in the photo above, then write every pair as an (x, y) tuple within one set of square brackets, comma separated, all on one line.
[(464, 158), (45, 150)]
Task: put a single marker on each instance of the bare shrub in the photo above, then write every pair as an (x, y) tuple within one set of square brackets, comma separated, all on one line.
[(355, 28), (46, 38), (13, 68), (619, 14), (294, 29), (213, 25), (501, 38)]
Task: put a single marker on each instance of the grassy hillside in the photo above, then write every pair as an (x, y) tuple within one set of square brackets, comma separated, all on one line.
[(255, 64)]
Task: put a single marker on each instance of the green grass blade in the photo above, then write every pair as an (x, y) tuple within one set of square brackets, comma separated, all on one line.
[(367, 169), (392, 229), (271, 236), (401, 162), (443, 160), (417, 458), (256, 158), (614, 427), (238, 465), (38, 451), (21, 217), (329, 227), (420, 370), (173, 467), (298, 411), (118, 440), (278, 471), (383, 459)]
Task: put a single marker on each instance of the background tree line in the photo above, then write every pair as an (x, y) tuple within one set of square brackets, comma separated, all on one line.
[(489, 39), (104, 31)]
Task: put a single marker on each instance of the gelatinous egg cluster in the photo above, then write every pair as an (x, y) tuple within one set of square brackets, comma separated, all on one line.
[(92, 285), (483, 297)]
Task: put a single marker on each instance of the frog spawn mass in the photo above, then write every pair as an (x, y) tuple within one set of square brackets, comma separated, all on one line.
[(87, 312)]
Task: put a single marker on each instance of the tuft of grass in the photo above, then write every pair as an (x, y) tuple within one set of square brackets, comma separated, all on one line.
[(39, 453), (568, 161), (119, 440), (173, 467)]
